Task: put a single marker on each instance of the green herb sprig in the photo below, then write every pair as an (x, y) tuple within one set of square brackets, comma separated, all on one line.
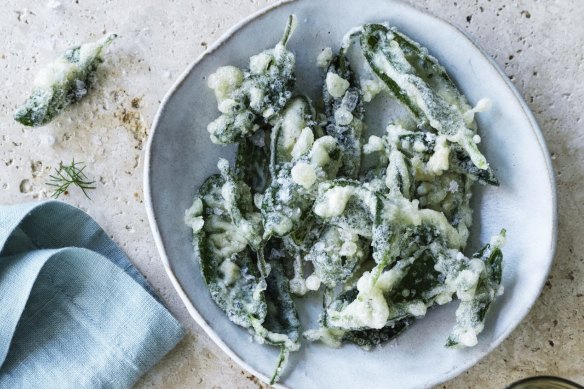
[(67, 175)]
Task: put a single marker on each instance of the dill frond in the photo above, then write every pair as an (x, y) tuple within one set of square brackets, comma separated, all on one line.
[(67, 175)]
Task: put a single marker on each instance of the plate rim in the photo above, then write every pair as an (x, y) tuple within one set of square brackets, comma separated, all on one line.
[(176, 283)]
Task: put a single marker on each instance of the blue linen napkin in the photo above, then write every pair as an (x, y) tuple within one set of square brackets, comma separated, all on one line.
[(74, 312)]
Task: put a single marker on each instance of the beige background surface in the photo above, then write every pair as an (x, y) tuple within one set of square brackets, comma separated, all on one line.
[(539, 44)]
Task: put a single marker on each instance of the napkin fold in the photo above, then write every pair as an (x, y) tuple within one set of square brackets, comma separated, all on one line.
[(74, 311)]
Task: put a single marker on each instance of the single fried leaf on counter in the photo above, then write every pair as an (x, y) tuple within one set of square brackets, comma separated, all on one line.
[(62, 83)]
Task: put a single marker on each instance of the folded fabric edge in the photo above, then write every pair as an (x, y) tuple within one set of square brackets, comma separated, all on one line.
[(168, 331), (13, 216), (64, 225), (21, 270)]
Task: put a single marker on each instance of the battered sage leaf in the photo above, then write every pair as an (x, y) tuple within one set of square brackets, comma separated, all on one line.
[(385, 53), (369, 338), (282, 317), (344, 109), (294, 184), (253, 162), (294, 131), (232, 270), (478, 296), (337, 254), (62, 83), (249, 99), (228, 264)]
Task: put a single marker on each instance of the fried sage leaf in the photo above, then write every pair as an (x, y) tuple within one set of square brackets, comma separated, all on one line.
[(252, 162), (228, 264), (282, 319), (62, 83), (458, 159), (239, 203), (249, 99), (337, 254), (477, 296), (294, 186), (369, 338), (232, 270), (343, 104), (293, 133), (365, 338), (385, 53)]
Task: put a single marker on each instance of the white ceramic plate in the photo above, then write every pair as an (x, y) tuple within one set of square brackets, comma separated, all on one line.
[(180, 156)]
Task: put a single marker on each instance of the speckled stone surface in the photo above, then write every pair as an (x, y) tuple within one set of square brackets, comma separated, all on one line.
[(537, 43)]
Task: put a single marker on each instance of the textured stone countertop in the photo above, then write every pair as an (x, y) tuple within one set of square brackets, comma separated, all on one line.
[(537, 43)]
